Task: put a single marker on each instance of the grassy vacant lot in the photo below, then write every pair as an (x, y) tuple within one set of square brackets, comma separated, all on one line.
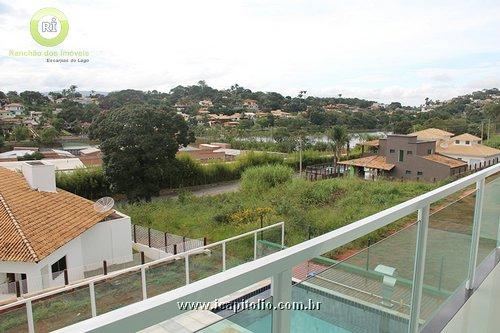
[(308, 208)]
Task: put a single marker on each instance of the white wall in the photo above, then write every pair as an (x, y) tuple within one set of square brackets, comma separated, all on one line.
[(110, 241)]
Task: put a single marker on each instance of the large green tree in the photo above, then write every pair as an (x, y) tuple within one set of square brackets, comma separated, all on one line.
[(340, 138), (139, 144)]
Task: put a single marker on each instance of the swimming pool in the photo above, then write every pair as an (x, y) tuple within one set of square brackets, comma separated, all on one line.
[(301, 322)]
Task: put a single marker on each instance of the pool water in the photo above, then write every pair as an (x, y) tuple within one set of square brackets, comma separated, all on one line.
[(301, 322)]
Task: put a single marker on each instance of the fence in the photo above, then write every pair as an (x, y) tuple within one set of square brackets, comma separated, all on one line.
[(85, 299), (164, 241)]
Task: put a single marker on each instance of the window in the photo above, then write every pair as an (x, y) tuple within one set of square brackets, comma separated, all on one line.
[(408, 172), (457, 142), (58, 267), (467, 142), (419, 173), (409, 152), (429, 151), (401, 157), (392, 151)]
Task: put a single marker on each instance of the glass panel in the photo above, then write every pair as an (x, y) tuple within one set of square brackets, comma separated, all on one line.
[(448, 248), (369, 290), (239, 251), (205, 263), (490, 222), (136, 260), (165, 276), (256, 318), (268, 241), (14, 320), (118, 291), (61, 310)]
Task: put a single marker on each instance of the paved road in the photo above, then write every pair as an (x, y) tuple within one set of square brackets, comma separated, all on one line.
[(203, 190)]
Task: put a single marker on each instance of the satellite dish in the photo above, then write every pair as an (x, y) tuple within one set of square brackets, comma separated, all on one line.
[(104, 204)]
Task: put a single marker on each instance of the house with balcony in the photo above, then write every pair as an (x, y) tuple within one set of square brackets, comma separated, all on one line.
[(15, 109), (406, 157), (464, 147), (49, 237)]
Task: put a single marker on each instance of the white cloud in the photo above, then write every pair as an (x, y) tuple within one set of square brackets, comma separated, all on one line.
[(382, 50)]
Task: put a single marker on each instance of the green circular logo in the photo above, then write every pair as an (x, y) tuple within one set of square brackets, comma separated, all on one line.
[(49, 27)]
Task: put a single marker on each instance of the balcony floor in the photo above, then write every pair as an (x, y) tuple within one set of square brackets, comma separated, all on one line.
[(480, 312)]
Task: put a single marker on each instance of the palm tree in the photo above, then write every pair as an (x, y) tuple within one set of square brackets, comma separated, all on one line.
[(340, 138)]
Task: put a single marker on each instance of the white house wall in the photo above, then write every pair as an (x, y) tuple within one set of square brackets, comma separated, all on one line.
[(110, 241)]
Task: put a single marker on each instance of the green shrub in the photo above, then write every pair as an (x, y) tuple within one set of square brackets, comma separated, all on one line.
[(90, 183), (262, 178)]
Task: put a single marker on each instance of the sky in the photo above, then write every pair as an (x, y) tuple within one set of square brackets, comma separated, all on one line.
[(379, 50)]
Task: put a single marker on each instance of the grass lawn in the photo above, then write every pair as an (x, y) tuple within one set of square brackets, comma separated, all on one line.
[(308, 209)]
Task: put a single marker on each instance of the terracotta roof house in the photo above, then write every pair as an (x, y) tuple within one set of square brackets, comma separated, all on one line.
[(406, 157), (465, 147), (435, 134), (45, 231)]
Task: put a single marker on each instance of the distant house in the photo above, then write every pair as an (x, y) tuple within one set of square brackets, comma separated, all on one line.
[(406, 157), (250, 104), (15, 109), (465, 147), (45, 231), (281, 114), (207, 152), (206, 103)]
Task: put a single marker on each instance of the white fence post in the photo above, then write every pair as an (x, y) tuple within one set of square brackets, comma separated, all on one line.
[(281, 290), (29, 315), (143, 283), (223, 256), (255, 246), (282, 236), (92, 299), (476, 229), (186, 261), (419, 268)]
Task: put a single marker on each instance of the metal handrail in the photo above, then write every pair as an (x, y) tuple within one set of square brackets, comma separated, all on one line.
[(149, 312), (97, 279)]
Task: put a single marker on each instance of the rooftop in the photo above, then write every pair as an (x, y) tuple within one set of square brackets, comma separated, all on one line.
[(477, 150), (466, 137), (373, 162), (34, 224), (432, 133), (451, 162)]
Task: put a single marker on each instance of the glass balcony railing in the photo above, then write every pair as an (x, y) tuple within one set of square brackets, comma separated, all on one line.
[(399, 284)]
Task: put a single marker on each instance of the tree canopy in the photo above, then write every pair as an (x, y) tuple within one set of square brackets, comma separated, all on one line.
[(139, 145)]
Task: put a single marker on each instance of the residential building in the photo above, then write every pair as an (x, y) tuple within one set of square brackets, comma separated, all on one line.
[(214, 151), (206, 103), (250, 104), (15, 109), (465, 147), (45, 231), (281, 114), (406, 157)]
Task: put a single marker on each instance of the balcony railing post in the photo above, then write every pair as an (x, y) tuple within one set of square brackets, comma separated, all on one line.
[(282, 236), (419, 268), (476, 229), (255, 246), (186, 260), (29, 315), (281, 289), (223, 256), (92, 299), (143, 283)]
